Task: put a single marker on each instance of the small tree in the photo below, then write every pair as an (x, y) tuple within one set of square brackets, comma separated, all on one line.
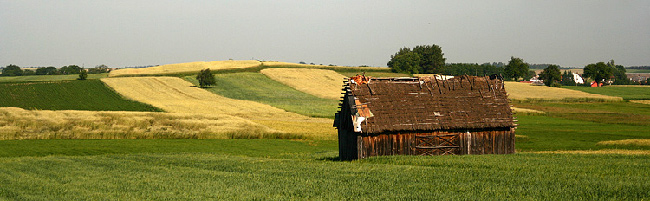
[(83, 74), (205, 78), (550, 75), (568, 79)]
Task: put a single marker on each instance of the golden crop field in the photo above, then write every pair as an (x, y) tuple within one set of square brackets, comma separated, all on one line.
[(317, 82), (186, 67), (633, 142), (526, 91), (524, 110), (289, 64), (176, 95), (641, 101), (603, 151), (17, 123)]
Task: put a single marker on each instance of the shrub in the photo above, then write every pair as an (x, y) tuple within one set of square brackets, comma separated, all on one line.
[(205, 78)]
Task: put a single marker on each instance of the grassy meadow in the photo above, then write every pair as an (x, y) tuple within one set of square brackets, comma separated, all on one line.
[(254, 136), (67, 95), (637, 70), (281, 169)]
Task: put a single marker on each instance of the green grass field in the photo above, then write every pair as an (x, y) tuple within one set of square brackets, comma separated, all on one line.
[(637, 70), (625, 92), (281, 169), (308, 169), (33, 78), (66, 95), (260, 88)]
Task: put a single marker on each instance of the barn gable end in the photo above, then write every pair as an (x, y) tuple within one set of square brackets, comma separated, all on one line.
[(427, 116)]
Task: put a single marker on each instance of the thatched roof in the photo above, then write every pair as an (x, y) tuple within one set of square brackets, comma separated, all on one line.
[(424, 104)]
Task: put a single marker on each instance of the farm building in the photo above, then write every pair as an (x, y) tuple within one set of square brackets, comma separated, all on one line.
[(424, 116)]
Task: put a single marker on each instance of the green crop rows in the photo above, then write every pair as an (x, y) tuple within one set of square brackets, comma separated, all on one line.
[(66, 95)]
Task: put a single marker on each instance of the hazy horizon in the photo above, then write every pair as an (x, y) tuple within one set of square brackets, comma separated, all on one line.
[(348, 33)]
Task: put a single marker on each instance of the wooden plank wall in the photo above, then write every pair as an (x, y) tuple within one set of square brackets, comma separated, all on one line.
[(474, 142)]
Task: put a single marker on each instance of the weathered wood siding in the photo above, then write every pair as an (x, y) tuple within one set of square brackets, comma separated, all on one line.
[(353, 146)]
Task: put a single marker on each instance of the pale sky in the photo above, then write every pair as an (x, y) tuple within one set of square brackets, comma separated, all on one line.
[(149, 32)]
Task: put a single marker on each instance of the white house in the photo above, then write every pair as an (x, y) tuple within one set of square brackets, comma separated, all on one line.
[(578, 79)]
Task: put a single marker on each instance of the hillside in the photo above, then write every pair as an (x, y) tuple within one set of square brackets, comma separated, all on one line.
[(185, 68), (317, 82), (176, 95), (260, 88)]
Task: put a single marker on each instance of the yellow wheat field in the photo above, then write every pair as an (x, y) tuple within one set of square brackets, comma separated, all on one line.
[(17, 123), (525, 110), (524, 91), (289, 64), (176, 95), (185, 67), (318, 82), (604, 151), (641, 101), (630, 142)]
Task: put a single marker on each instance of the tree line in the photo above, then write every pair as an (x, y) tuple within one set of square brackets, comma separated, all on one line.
[(14, 70), (429, 59)]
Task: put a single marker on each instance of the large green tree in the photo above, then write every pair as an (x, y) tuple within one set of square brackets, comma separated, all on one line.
[(421, 59), (599, 72), (516, 69), (406, 62), (12, 70), (550, 75)]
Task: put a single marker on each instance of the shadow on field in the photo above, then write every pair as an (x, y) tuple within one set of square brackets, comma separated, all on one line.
[(331, 158)]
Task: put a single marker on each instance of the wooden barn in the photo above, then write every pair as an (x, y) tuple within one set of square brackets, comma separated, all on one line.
[(424, 116)]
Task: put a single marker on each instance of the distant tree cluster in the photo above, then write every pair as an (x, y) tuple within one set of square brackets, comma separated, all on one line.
[(14, 70), (422, 59), (639, 67), (457, 69), (539, 66), (602, 72)]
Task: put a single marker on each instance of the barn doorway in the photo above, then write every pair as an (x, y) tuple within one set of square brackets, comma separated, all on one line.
[(444, 144)]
